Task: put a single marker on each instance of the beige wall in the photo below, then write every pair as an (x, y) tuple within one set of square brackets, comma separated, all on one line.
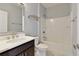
[(58, 10)]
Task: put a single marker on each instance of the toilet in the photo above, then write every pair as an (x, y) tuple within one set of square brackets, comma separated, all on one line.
[(40, 48)]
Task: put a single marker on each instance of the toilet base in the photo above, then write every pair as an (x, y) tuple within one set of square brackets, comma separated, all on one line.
[(41, 50), (40, 53)]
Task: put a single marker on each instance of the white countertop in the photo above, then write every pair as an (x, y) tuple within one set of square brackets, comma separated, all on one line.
[(4, 46)]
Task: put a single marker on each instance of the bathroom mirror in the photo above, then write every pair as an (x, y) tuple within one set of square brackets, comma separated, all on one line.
[(16, 18), (10, 17)]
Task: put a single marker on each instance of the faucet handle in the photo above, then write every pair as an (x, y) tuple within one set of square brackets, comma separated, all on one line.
[(13, 36), (7, 37), (17, 36)]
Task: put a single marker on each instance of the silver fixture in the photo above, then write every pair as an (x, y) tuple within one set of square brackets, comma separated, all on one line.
[(76, 46), (20, 4), (34, 17), (17, 23), (74, 19)]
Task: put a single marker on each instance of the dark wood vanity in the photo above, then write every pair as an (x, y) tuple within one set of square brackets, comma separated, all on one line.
[(26, 49)]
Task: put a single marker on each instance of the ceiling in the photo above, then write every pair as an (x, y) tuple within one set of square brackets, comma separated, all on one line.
[(47, 5)]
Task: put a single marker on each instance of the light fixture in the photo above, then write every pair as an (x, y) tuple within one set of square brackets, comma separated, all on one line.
[(51, 20)]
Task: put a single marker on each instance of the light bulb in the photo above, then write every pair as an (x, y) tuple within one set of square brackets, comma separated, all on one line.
[(51, 20)]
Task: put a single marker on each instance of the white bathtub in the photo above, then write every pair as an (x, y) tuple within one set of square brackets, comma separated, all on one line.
[(57, 49)]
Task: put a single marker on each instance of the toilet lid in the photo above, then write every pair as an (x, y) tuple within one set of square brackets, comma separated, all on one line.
[(42, 45)]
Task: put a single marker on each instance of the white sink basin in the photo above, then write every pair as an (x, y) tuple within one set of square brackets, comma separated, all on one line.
[(17, 40), (14, 41), (3, 41)]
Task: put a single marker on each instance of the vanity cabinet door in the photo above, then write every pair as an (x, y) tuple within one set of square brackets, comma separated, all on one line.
[(30, 51), (21, 54), (27, 52)]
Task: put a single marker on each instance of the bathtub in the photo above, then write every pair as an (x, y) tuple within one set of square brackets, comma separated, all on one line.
[(57, 49)]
